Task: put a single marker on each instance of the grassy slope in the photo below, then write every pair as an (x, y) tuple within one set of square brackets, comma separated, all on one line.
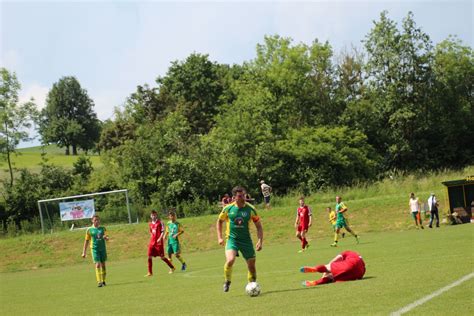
[(379, 207), (30, 158)]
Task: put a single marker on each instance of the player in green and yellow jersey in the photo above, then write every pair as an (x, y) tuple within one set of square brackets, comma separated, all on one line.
[(341, 222), (237, 216), (173, 230), (96, 236)]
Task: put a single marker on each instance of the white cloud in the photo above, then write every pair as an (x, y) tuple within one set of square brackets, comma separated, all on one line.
[(106, 100), (36, 91)]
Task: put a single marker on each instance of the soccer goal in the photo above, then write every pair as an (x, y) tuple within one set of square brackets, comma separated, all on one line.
[(72, 212)]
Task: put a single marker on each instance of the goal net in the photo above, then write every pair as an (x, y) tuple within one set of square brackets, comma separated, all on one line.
[(72, 212)]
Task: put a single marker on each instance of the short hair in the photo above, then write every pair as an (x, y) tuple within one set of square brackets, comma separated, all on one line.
[(95, 215), (238, 189), (153, 212), (172, 212), (301, 197), (328, 207)]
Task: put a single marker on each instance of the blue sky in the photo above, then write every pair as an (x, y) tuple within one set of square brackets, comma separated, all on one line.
[(113, 46)]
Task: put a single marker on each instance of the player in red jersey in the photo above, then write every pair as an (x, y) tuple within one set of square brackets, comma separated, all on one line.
[(303, 221), (155, 247), (347, 266)]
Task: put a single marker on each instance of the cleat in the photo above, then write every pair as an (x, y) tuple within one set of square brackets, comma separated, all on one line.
[(430, 226), (171, 270), (343, 235), (308, 283), (103, 283), (226, 286), (357, 239), (149, 275), (301, 250), (307, 269), (302, 270), (334, 244), (100, 284), (422, 227), (183, 267), (306, 247)]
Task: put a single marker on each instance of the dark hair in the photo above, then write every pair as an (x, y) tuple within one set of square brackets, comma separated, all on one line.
[(238, 189), (154, 212), (172, 212), (95, 216), (301, 197)]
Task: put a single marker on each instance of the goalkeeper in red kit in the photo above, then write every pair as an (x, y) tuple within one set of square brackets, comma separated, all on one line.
[(347, 266)]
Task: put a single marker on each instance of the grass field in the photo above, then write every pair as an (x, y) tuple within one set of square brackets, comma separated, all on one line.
[(402, 267), (30, 158)]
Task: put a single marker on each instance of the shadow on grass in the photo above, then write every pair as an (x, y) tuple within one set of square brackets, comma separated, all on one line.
[(289, 290), (124, 283)]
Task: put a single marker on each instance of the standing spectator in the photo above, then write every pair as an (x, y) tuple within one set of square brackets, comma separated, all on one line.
[(415, 210), (266, 191), (433, 205)]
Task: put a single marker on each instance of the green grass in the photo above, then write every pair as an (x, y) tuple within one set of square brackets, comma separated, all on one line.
[(402, 267), (30, 158)]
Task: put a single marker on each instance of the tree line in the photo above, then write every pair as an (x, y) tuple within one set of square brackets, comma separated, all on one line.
[(298, 115)]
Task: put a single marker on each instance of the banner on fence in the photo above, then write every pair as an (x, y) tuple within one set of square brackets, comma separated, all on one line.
[(76, 210)]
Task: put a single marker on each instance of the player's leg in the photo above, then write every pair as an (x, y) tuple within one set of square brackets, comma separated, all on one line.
[(347, 228), (336, 236), (437, 218), (177, 251), (305, 233), (161, 253), (252, 270), (230, 255), (97, 272), (104, 272)]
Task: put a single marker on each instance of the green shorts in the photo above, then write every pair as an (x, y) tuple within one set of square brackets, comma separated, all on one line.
[(173, 248), (245, 247), (99, 256), (340, 223)]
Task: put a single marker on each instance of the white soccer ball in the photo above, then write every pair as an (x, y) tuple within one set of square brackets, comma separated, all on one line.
[(253, 289)]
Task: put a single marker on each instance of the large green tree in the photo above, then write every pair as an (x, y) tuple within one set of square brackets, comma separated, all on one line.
[(15, 118), (68, 119)]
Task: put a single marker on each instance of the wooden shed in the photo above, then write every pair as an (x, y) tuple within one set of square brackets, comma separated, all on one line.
[(460, 197)]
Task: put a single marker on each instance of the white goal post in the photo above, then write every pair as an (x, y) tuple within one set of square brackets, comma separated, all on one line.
[(75, 197)]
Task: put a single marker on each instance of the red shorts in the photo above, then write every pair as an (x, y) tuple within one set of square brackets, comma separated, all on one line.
[(302, 228), (350, 267), (156, 250)]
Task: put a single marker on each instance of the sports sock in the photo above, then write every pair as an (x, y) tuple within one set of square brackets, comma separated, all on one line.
[(304, 243), (252, 277), (321, 268), (181, 260), (97, 275), (336, 236), (150, 266), (104, 273), (227, 272), (168, 262), (323, 281)]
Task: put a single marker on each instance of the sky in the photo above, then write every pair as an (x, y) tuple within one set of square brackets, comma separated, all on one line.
[(113, 46)]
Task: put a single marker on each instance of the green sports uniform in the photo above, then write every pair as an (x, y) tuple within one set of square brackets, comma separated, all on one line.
[(340, 220), (96, 237), (237, 228), (173, 243)]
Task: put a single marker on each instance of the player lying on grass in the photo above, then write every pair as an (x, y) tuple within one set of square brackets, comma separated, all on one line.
[(96, 235), (347, 266)]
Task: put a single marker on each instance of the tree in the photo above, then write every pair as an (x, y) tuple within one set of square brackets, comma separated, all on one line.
[(194, 87), (15, 118), (68, 119)]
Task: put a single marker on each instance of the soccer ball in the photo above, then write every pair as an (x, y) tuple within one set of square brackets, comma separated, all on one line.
[(253, 289)]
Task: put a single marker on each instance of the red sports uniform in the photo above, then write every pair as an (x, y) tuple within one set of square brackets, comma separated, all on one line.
[(155, 248), (303, 214), (349, 267)]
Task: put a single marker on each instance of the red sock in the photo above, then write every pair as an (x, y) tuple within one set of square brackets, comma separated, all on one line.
[(305, 242), (321, 268), (168, 262), (323, 281), (150, 266)]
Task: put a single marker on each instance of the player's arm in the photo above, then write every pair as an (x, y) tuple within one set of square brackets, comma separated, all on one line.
[(258, 225), (220, 240), (106, 237), (161, 235), (343, 209), (167, 232), (180, 231), (310, 217), (297, 220), (86, 243)]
